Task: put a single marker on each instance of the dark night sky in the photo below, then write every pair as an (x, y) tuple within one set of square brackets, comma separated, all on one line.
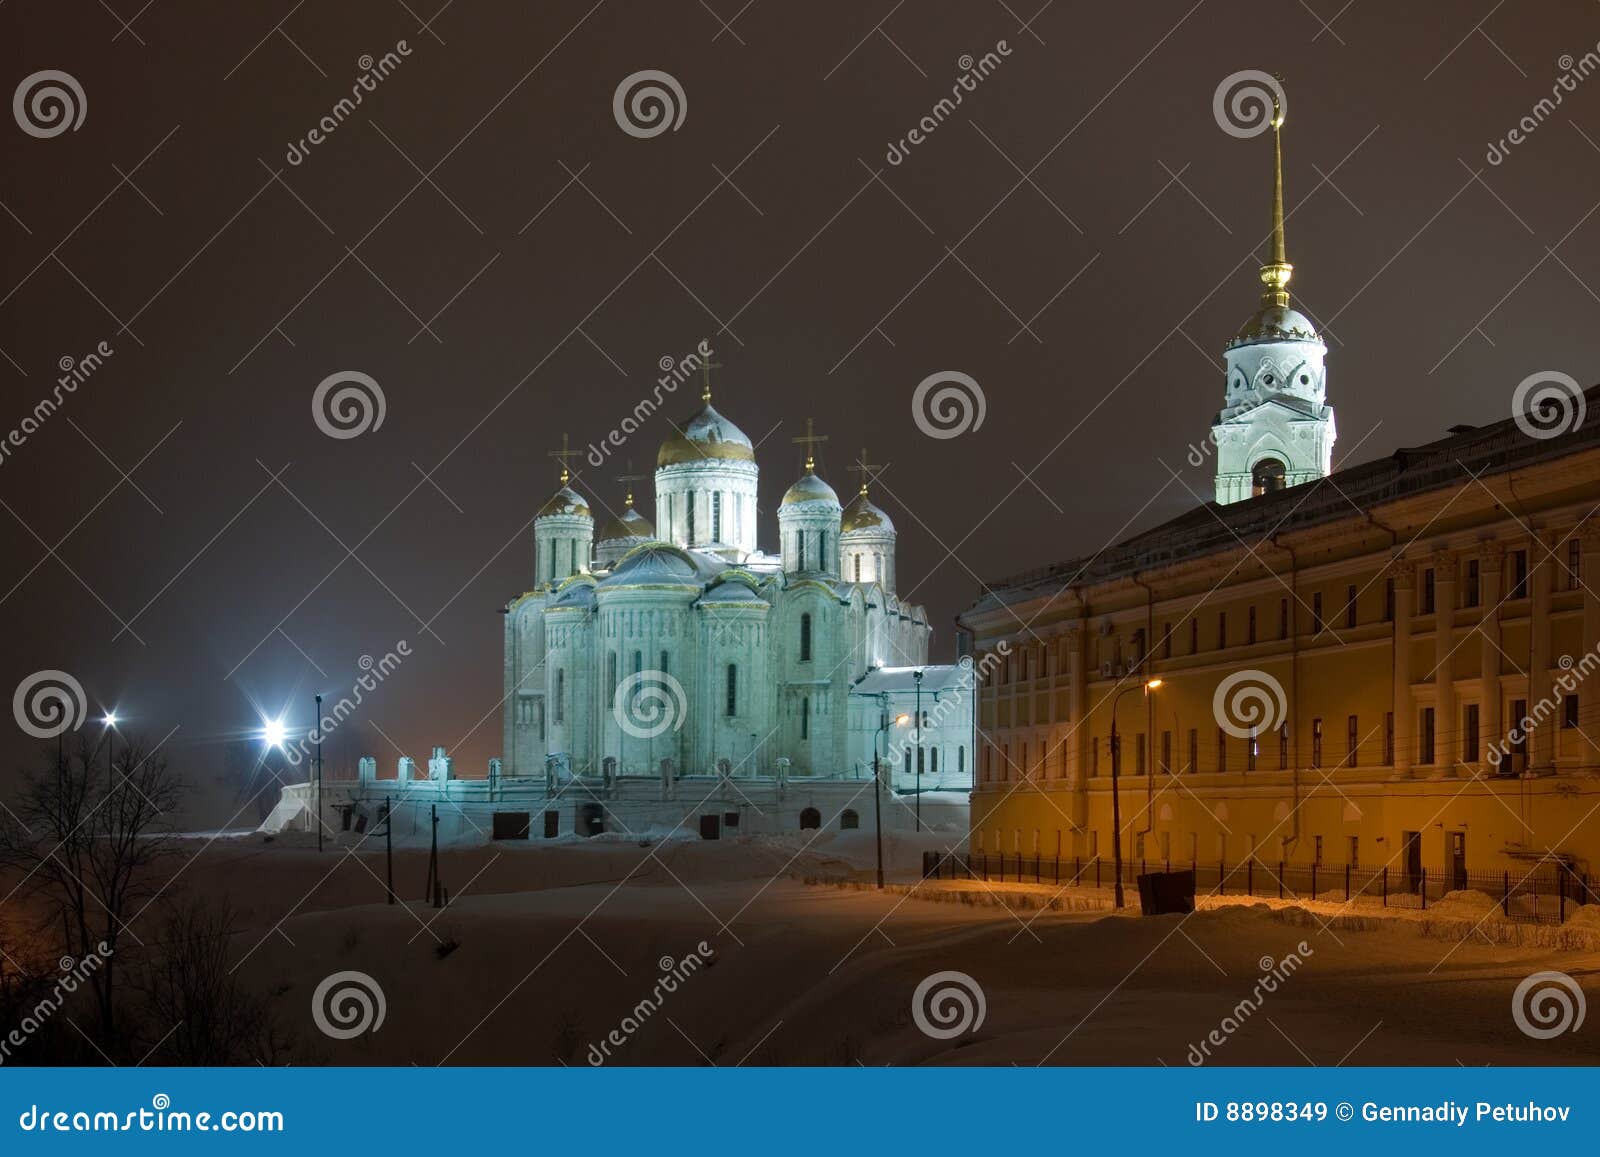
[(1399, 257)]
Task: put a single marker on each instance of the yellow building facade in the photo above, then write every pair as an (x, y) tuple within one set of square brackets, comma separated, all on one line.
[(1393, 665)]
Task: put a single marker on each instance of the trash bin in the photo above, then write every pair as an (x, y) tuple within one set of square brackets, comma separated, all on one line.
[(1163, 892)]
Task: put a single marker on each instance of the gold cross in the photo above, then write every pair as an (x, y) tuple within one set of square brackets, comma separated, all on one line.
[(628, 480), (564, 453), (865, 469), (809, 441), (706, 366)]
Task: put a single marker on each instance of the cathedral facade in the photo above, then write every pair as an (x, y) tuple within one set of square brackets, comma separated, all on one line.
[(653, 650)]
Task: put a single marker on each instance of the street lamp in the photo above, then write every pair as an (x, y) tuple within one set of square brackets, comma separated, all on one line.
[(1147, 686), (273, 732), (877, 780), (111, 733), (319, 772)]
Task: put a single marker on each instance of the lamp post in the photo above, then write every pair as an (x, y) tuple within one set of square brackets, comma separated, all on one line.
[(111, 735), (1147, 686), (877, 779), (319, 772), (917, 677)]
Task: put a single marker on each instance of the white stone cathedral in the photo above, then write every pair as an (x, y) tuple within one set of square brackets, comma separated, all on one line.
[(1275, 428), (681, 649)]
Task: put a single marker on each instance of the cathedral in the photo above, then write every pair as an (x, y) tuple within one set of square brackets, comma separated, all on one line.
[(648, 651)]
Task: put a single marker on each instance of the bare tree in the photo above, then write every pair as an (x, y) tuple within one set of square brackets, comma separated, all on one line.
[(86, 837), (197, 1012)]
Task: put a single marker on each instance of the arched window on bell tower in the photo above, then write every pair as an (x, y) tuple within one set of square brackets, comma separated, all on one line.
[(1267, 476)]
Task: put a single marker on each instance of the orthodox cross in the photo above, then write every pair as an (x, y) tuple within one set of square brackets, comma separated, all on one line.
[(810, 441), (706, 366), (628, 480), (563, 454), (866, 469)]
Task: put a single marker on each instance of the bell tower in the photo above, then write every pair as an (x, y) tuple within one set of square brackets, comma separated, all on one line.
[(1275, 429)]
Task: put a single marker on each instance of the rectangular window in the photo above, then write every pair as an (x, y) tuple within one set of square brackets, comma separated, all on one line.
[(805, 717), (1519, 574), (1425, 739), (1166, 753), (1194, 751), (1519, 744), (1350, 606), (1316, 613), (716, 516), (1427, 591), (1470, 595), (1316, 742), (561, 696), (1388, 600), (1388, 738), (1222, 750), (688, 501), (1574, 563), (1569, 712), (663, 667), (805, 638), (731, 707), (1250, 632), (1469, 733), (1139, 757)]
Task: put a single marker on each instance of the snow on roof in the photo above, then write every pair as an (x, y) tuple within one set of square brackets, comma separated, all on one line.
[(935, 677)]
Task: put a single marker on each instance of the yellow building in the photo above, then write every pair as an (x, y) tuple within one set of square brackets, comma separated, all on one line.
[(1392, 665)]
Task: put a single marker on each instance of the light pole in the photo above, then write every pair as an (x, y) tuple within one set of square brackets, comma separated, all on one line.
[(1116, 769), (111, 736), (877, 779), (917, 676), (319, 772)]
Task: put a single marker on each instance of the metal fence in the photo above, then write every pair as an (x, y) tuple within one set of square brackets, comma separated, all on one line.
[(1543, 894)]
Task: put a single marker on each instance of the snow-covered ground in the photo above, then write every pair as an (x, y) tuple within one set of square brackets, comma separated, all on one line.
[(546, 948)]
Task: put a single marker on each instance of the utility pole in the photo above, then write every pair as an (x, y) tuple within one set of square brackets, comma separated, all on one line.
[(917, 675), (388, 845)]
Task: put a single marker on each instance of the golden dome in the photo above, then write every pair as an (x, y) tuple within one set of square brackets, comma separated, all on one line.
[(810, 489), (565, 502), (706, 436), (629, 524), (861, 514)]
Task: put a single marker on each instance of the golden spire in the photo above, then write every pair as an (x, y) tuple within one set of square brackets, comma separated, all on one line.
[(1275, 275), (866, 469), (810, 442), (706, 366), (563, 454)]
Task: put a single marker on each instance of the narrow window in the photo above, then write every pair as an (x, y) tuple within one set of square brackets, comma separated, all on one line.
[(805, 638), (1469, 596), (1569, 712), (1427, 591), (716, 516), (1350, 605), (822, 549), (1388, 738), (1574, 563), (1222, 629), (1352, 740), (805, 717), (1166, 753), (1425, 740), (1388, 600), (1139, 757), (731, 708), (858, 568), (561, 696), (1194, 750), (961, 760), (663, 667), (799, 550), (611, 676), (689, 500), (1250, 634), (1316, 613), (1222, 750), (1469, 734), (1519, 574)]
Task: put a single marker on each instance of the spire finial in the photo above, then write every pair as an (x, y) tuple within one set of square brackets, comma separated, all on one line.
[(809, 441), (866, 469), (1275, 275), (563, 454), (706, 366)]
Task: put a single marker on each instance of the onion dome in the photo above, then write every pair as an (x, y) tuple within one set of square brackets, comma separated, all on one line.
[(630, 524), (862, 515), (707, 435), (810, 489), (565, 502)]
